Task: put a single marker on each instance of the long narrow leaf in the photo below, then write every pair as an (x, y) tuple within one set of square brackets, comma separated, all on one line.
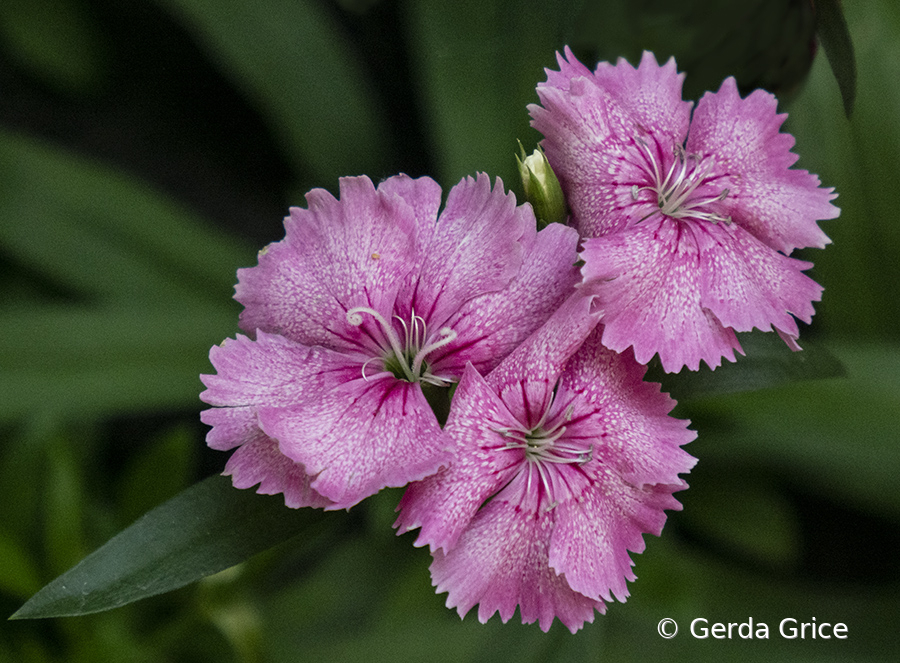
[(832, 28), (768, 363), (104, 234), (292, 57), (86, 360), (203, 530)]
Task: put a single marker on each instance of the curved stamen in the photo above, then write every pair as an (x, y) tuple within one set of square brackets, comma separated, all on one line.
[(675, 189), (366, 377), (355, 318), (542, 449), (447, 336), (405, 357)]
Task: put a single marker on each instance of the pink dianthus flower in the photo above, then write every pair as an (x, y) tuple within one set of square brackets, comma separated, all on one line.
[(688, 219), (563, 459), (368, 298)]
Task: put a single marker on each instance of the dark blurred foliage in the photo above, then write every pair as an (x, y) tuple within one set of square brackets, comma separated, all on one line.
[(148, 149)]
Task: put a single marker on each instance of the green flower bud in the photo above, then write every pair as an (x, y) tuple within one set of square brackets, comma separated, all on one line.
[(542, 188)]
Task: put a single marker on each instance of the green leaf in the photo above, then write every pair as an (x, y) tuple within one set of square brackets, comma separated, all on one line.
[(18, 576), (380, 584), (159, 472), (831, 27), (768, 363), (860, 159), (744, 514), (837, 437), (57, 40), (63, 504), (762, 43), (106, 235), (75, 360), (209, 527), (294, 59), (478, 63)]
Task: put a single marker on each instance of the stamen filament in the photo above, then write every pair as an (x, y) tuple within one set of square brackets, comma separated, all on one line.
[(447, 336), (681, 181), (355, 318), (405, 359)]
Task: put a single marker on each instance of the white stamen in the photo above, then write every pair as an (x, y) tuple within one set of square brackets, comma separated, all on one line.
[(414, 334), (447, 336), (544, 446), (365, 377), (355, 318), (674, 191)]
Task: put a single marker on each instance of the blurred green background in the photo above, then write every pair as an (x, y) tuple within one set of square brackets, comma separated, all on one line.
[(148, 149)]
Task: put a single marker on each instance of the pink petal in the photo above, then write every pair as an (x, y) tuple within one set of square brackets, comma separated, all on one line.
[(475, 249), (493, 325), (359, 438), (337, 254), (594, 532), (259, 461), (501, 562), (746, 284), (622, 491), (423, 195), (777, 204), (444, 503), (542, 357), (591, 123), (231, 426), (651, 93), (648, 284), (609, 386), (272, 371)]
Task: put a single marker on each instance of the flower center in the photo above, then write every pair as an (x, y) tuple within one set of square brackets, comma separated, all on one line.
[(545, 446), (683, 192), (405, 358)]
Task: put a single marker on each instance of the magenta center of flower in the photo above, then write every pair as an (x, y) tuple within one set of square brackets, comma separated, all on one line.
[(545, 445), (405, 357), (685, 189)]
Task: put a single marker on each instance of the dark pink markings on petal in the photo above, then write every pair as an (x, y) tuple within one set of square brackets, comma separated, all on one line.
[(361, 437), (273, 371), (647, 281), (444, 503), (777, 204), (475, 249), (337, 254), (493, 325)]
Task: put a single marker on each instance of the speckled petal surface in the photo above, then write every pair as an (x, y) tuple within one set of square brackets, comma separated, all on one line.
[(745, 284), (475, 249), (259, 461), (590, 122), (501, 562), (273, 371), (563, 459), (648, 283), (629, 481), (444, 503), (666, 199), (493, 325), (360, 437), (336, 254), (777, 204)]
